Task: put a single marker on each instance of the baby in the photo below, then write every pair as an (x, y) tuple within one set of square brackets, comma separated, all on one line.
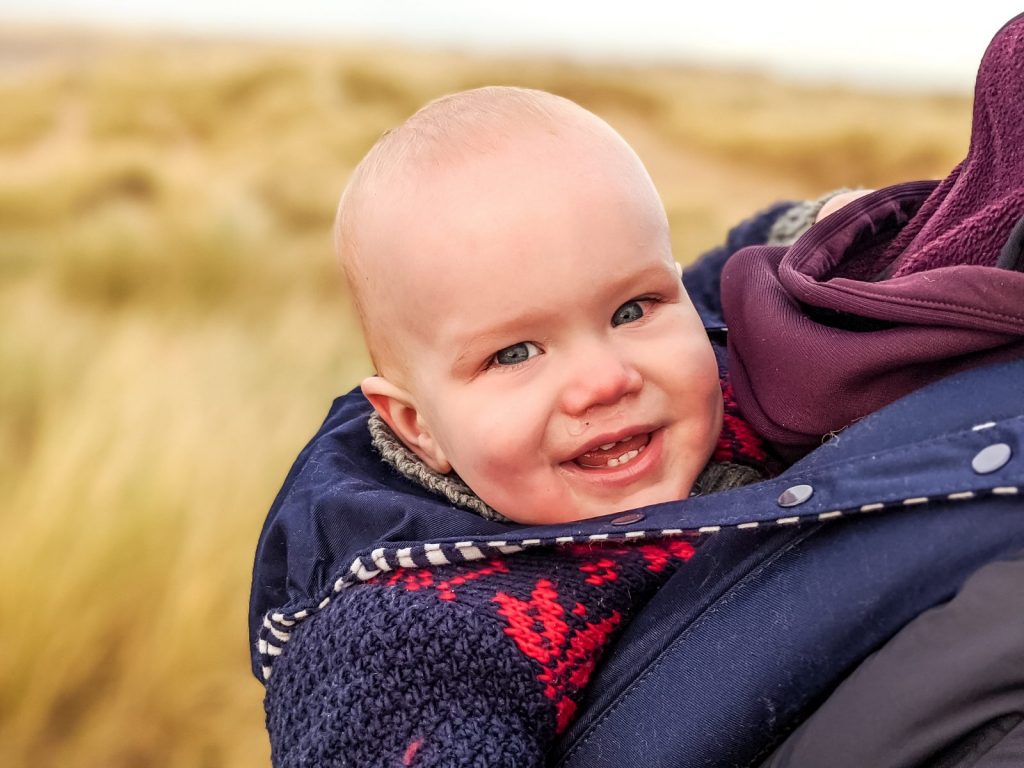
[(510, 262)]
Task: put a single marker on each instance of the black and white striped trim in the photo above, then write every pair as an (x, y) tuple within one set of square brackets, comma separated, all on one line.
[(277, 626)]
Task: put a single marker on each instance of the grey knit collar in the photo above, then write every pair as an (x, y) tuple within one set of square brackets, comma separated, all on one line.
[(792, 224), (716, 476), (393, 451)]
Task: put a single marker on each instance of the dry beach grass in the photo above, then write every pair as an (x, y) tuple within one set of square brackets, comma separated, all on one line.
[(172, 331)]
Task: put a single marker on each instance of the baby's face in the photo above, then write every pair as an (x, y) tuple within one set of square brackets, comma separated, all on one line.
[(553, 354)]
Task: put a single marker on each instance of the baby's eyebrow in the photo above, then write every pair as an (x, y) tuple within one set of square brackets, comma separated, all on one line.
[(489, 339), (487, 342), (468, 350)]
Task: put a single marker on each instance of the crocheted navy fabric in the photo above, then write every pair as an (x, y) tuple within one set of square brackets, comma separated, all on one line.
[(476, 664)]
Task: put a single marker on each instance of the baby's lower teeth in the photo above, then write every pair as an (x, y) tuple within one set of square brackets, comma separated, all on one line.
[(627, 456)]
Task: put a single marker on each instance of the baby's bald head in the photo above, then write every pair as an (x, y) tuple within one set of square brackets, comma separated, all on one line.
[(511, 263), (468, 154)]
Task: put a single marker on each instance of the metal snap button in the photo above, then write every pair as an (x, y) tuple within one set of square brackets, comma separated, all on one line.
[(632, 517), (991, 458), (795, 495)]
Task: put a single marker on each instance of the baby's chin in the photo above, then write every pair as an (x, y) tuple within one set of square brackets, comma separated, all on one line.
[(591, 509)]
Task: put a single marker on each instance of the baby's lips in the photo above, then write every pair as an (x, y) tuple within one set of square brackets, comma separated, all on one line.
[(598, 457)]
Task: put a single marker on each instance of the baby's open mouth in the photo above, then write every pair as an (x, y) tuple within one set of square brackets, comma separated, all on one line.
[(614, 454)]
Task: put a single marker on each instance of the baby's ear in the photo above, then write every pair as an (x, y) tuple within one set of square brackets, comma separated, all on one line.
[(399, 412)]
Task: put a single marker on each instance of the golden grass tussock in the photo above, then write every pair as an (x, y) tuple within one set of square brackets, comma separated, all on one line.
[(173, 329)]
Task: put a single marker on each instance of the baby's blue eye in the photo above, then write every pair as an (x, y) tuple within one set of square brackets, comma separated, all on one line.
[(517, 353), (628, 313)]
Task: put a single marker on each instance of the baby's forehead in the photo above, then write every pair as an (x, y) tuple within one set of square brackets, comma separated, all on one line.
[(458, 159), (482, 183), (502, 151)]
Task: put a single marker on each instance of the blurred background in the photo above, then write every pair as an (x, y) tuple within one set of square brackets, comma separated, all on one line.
[(171, 327)]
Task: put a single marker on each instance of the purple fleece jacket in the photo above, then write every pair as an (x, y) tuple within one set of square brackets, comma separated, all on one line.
[(894, 291)]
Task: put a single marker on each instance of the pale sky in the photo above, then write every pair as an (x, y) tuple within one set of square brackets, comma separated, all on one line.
[(875, 42)]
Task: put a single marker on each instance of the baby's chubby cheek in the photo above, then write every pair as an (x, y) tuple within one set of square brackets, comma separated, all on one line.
[(498, 452), (525, 481)]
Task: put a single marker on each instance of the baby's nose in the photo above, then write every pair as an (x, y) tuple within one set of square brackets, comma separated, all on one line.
[(602, 380)]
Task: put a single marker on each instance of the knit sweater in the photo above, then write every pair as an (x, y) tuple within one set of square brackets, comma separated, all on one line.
[(478, 664)]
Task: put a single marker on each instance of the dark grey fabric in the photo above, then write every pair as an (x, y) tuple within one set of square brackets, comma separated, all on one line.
[(1012, 254), (1007, 753), (946, 692)]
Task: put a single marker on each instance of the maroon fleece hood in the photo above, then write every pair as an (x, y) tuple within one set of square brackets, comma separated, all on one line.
[(901, 287)]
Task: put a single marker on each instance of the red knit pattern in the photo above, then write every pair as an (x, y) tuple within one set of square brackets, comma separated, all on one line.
[(738, 443), (560, 606), (415, 579), (567, 657)]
